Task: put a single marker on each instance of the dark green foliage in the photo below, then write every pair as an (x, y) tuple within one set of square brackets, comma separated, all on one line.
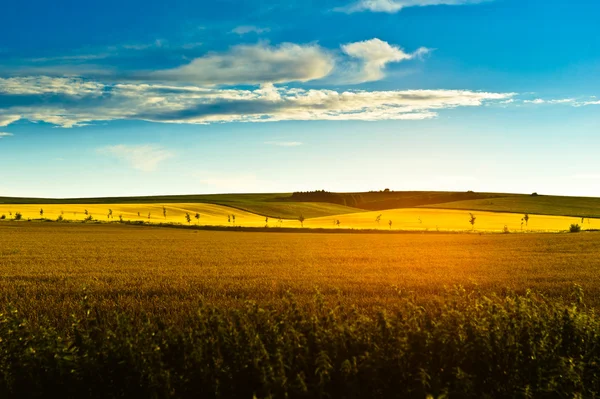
[(466, 345), (2, 217), (575, 228), (18, 216)]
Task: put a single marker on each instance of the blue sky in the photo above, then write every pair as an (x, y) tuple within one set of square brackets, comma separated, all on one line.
[(154, 97)]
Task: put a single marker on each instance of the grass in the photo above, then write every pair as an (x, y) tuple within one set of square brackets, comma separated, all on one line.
[(579, 207), (272, 205), (111, 310)]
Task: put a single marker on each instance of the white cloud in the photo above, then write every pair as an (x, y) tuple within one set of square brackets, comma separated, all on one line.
[(7, 119), (4, 134), (245, 29), (284, 143), (254, 64), (142, 157), (536, 101), (37, 85), (393, 6), (374, 55), (191, 104)]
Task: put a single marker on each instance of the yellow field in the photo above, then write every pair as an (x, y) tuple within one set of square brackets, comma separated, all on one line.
[(218, 215), (450, 220)]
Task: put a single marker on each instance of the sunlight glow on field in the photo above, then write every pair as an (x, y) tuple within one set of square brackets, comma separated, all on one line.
[(419, 219)]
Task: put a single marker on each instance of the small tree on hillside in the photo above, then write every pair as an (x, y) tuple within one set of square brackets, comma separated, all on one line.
[(41, 213), (390, 224), (188, 218), (18, 216), (164, 212), (301, 219), (139, 214), (197, 216), (110, 214), (149, 214), (337, 222), (86, 212), (472, 220), (378, 219), (526, 219), (233, 218)]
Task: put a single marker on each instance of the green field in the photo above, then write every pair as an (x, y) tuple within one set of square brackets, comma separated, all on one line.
[(584, 207)]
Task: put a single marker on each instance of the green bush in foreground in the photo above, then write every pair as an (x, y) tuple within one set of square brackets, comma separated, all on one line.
[(466, 346)]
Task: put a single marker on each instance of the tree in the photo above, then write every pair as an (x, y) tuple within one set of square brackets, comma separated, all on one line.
[(139, 214), (197, 216), (378, 219), (149, 215), (86, 212), (233, 218), (526, 219), (121, 218), (110, 214), (41, 213), (472, 220), (228, 218), (337, 222), (164, 212), (301, 219), (188, 218), (267, 220), (390, 223)]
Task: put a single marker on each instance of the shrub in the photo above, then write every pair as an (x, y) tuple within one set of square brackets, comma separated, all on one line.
[(467, 346), (575, 228), (18, 216), (505, 230), (89, 219), (2, 217), (534, 194), (60, 218)]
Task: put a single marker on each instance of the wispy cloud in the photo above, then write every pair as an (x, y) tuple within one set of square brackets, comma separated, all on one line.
[(4, 134), (393, 6), (75, 102), (284, 143), (373, 56), (245, 29), (141, 157)]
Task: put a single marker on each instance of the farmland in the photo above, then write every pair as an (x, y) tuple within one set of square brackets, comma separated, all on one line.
[(408, 219), (139, 267), (162, 312)]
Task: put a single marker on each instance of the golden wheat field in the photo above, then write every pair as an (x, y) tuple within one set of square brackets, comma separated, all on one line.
[(169, 271), (420, 219)]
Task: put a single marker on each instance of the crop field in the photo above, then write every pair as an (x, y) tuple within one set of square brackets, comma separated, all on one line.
[(410, 219), (141, 267), (272, 205), (117, 310), (541, 204)]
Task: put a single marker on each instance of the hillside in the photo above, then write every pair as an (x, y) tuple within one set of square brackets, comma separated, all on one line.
[(271, 205), (542, 205)]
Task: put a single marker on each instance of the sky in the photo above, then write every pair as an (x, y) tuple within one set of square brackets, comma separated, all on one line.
[(118, 98)]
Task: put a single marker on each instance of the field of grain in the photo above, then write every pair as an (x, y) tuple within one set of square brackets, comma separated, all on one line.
[(169, 270), (163, 312), (411, 219)]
